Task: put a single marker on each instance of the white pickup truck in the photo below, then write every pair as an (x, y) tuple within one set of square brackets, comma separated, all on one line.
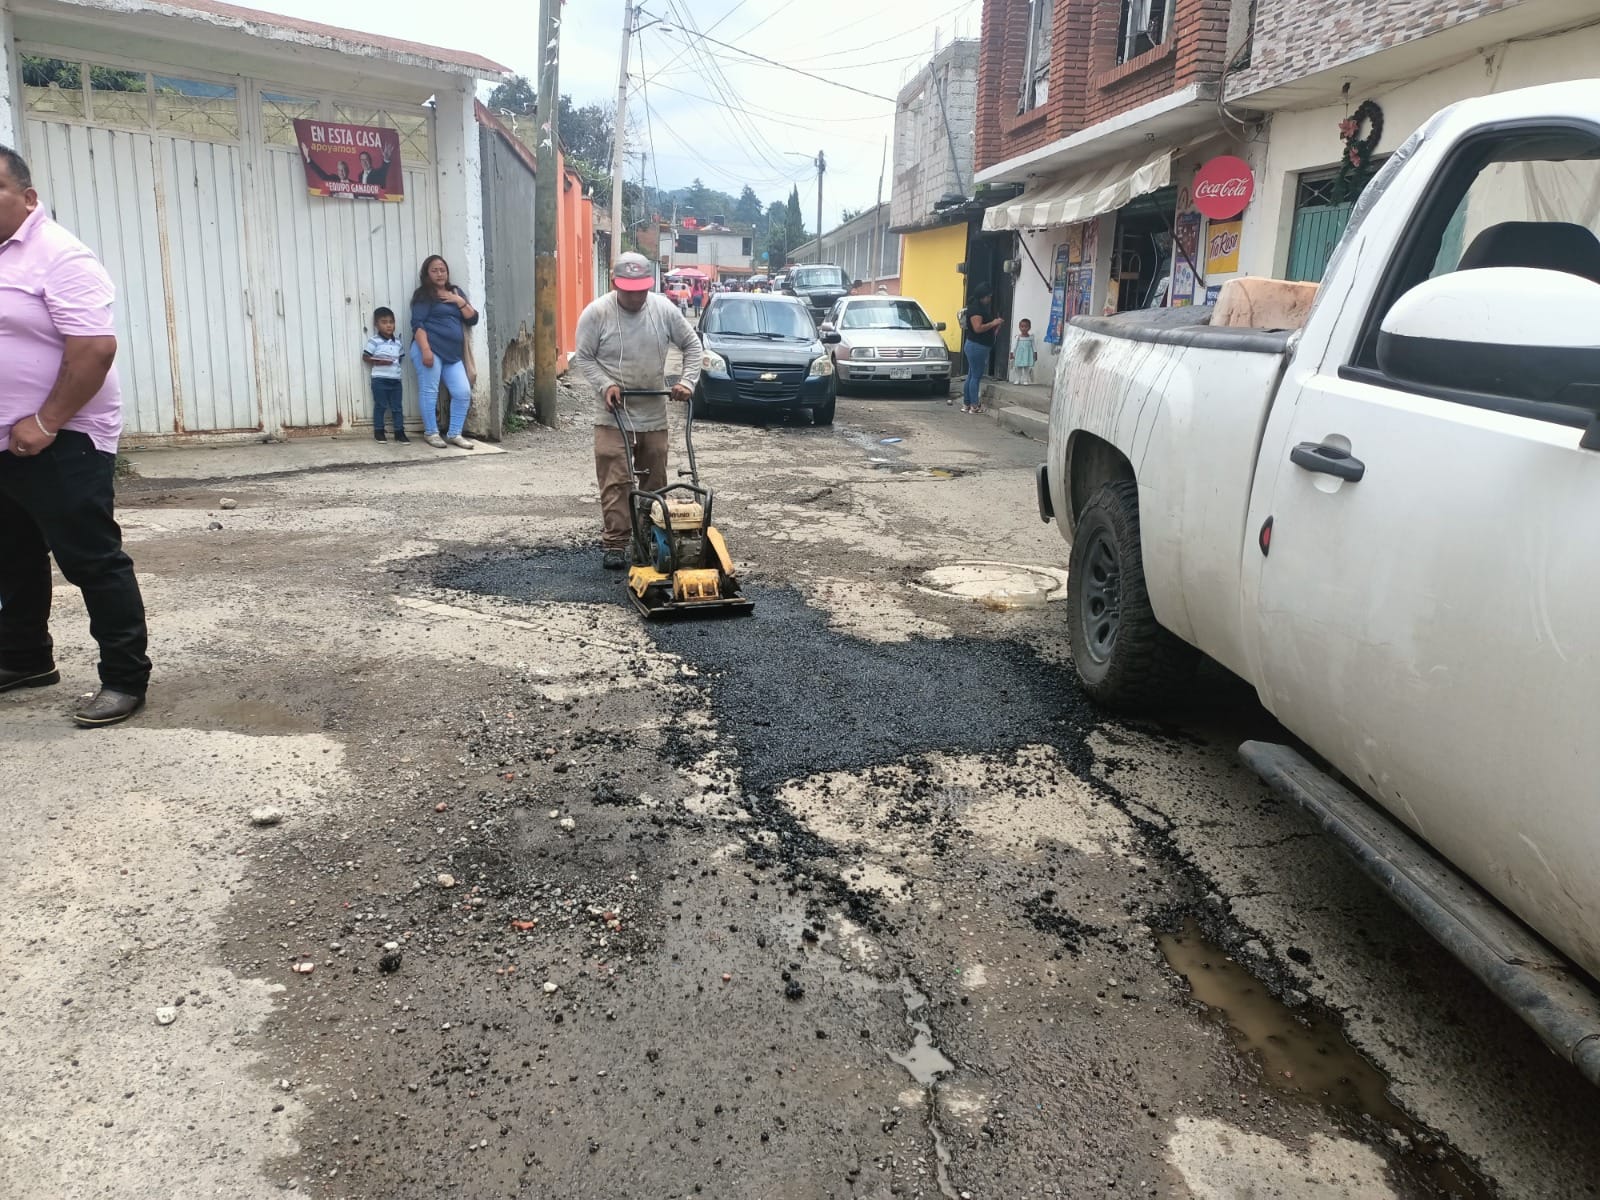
[(1387, 520)]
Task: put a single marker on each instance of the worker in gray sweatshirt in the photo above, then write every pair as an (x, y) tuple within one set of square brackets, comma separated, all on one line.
[(622, 343)]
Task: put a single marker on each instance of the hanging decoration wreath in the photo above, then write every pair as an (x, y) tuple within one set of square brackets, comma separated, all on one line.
[(1358, 149)]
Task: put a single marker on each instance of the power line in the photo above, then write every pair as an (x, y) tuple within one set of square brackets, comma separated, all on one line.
[(721, 85), (763, 115), (772, 62)]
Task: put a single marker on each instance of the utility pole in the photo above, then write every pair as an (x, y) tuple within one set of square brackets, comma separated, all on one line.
[(875, 259), (822, 165), (619, 136), (546, 201)]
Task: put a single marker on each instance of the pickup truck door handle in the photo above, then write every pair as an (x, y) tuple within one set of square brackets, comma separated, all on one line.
[(1328, 460)]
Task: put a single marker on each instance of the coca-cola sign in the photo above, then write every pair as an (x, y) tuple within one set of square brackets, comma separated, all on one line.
[(1223, 187)]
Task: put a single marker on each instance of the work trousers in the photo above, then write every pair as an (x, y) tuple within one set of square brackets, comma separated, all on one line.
[(611, 471), (60, 502)]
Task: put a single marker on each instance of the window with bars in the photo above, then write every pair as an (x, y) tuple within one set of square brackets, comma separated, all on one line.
[(1036, 62), (1141, 27), (416, 143), (117, 96), (279, 113)]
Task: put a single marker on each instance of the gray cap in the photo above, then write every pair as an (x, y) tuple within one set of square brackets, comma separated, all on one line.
[(632, 272)]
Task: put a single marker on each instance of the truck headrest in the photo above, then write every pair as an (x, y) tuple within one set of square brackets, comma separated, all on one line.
[(1549, 245)]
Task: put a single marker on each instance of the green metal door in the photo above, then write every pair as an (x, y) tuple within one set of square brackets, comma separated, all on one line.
[(1317, 230)]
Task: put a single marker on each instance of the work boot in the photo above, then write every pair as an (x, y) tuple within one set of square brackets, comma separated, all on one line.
[(614, 560), (107, 707), (11, 680)]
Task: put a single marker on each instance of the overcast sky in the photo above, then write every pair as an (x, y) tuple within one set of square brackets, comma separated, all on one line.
[(713, 113)]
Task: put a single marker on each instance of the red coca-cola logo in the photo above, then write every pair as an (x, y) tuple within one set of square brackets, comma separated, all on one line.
[(1223, 187)]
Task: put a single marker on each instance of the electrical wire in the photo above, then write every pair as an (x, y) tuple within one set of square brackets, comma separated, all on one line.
[(775, 120), (682, 31)]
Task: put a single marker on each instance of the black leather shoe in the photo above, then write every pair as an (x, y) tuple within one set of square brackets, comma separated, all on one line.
[(107, 707), (11, 680)]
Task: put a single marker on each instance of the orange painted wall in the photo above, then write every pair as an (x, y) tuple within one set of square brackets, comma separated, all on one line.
[(574, 260)]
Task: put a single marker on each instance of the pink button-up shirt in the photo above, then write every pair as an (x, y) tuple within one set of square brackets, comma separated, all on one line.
[(51, 288)]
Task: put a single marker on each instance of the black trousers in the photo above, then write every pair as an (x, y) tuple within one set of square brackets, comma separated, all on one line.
[(60, 502)]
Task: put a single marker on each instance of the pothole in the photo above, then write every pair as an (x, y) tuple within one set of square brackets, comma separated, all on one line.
[(996, 585), (1309, 1060)]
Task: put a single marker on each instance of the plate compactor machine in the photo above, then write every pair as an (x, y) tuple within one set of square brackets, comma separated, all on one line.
[(679, 564)]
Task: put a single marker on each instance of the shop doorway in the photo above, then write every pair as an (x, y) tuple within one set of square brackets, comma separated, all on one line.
[(1141, 259)]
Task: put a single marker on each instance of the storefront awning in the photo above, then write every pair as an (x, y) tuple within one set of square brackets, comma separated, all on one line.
[(1078, 198)]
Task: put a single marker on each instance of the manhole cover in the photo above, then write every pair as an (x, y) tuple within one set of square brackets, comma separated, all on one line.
[(996, 584)]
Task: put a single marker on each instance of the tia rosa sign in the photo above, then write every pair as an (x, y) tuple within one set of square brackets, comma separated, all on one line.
[(1223, 187)]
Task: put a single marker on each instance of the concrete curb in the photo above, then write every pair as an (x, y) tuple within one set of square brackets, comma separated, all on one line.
[(1025, 421)]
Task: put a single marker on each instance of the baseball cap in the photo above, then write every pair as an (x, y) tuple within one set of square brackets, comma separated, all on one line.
[(631, 272)]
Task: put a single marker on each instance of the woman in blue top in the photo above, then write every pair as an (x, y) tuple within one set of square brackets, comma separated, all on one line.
[(440, 318)]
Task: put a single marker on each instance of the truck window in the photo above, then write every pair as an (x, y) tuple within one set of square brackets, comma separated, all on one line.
[(1518, 197)]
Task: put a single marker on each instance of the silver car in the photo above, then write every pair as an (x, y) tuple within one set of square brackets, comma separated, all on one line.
[(889, 340)]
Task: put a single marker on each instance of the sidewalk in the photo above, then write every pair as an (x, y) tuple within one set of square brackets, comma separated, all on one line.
[(1021, 408), (282, 458)]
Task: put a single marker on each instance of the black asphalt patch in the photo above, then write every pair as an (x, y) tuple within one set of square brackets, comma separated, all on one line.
[(797, 697)]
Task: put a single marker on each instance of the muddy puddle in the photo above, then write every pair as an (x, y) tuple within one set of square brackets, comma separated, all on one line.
[(1307, 1059)]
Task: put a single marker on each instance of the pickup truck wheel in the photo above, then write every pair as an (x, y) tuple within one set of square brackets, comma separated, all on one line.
[(1123, 656)]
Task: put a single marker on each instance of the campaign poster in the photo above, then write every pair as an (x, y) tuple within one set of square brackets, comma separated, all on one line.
[(1075, 245), (1058, 296), (351, 162), (1222, 247), (1091, 243)]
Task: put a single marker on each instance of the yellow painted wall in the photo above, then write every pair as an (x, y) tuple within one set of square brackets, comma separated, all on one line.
[(928, 274)]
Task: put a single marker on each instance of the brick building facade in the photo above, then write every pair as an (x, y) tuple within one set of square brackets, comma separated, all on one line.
[(1091, 75)]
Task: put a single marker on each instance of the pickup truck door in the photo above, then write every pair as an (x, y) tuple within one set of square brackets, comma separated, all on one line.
[(1426, 616)]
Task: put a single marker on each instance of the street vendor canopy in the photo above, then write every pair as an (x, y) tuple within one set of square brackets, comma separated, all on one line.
[(1101, 190)]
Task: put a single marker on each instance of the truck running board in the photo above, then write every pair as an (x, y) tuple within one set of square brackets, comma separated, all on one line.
[(1542, 987)]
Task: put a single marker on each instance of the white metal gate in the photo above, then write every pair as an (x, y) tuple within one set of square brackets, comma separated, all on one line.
[(333, 261), (164, 216)]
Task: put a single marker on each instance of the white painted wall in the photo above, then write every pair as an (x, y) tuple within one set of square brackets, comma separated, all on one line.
[(459, 166), (1309, 140), (10, 93)]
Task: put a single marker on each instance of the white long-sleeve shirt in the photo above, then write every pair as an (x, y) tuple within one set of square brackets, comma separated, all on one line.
[(615, 346)]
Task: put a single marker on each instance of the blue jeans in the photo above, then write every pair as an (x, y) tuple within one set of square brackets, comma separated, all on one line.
[(977, 366), (386, 400), (455, 379)]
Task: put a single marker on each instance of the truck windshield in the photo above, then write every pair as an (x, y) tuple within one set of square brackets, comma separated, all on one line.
[(741, 317), (818, 277), (885, 314)]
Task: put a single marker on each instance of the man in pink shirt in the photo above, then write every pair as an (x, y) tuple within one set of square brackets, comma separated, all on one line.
[(60, 418)]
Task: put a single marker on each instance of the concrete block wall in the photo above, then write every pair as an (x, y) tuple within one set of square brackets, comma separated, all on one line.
[(1295, 38), (923, 173), (1087, 84)]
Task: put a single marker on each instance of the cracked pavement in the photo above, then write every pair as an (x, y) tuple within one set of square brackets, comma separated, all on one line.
[(856, 897)]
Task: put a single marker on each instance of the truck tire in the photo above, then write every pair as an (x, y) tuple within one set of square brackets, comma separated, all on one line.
[(1125, 660)]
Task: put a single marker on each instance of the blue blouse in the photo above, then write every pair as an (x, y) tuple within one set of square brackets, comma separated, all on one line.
[(444, 325)]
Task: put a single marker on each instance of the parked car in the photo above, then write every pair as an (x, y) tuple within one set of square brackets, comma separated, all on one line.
[(888, 340), (764, 352), (1380, 520), (821, 286)]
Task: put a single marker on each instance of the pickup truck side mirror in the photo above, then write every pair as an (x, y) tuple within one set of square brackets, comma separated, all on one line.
[(940, 326), (1516, 332)]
